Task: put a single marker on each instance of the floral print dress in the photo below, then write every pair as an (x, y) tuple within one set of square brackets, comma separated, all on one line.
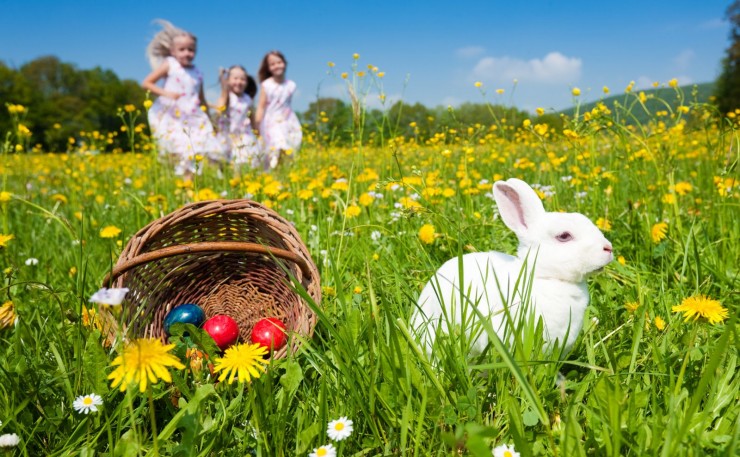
[(235, 131), (280, 128), (181, 128)]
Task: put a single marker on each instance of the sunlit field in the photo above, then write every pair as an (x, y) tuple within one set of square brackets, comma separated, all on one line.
[(653, 372)]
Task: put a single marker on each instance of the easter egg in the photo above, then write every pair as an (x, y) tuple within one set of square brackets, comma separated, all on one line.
[(223, 329), (270, 333), (184, 314)]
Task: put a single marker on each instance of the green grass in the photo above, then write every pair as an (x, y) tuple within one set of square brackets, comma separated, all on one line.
[(626, 388)]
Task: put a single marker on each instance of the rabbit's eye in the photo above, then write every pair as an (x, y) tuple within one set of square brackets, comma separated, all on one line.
[(563, 237)]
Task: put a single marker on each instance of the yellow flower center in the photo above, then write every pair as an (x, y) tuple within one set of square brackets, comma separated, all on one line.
[(87, 401), (321, 451), (508, 454), (339, 426)]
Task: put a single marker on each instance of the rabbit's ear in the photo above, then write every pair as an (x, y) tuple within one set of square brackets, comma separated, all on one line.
[(518, 204)]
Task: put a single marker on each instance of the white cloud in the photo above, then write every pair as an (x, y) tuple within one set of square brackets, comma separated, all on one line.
[(469, 52), (554, 68), (644, 82), (713, 24), (684, 58)]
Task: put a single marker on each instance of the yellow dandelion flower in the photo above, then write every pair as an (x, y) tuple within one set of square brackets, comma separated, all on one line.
[(148, 104), (5, 196), (129, 108), (330, 64), (241, 362), (659, 323), (357, 290), (352, 211), (427, 234), (366, 199), (658, 232), (143, 361), (683, 188), (540, 111), (305, 194), (206, 194), (631, 306), (381, 74), (669, 199), (605, 90), (7, 314), (355, 56), (499, 91), (90, 318), (478, 84), (673, 83), (110, 231), (603, 224), (704, 307), (576, 92), (344, 75), (4, 239)]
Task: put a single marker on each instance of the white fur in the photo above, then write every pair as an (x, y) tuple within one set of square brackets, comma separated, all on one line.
[(559, 294)]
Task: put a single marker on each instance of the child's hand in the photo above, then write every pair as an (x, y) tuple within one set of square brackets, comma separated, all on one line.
[(223, 76), (172, 95)]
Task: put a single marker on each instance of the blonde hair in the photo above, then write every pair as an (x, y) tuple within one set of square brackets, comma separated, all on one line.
[(160, 46)]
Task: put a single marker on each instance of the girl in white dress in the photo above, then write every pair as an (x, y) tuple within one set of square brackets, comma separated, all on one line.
[(279, 127), (178, 117), (236, 119)]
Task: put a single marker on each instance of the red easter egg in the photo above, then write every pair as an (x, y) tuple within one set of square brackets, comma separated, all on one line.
[(270, 333), (223, 329)]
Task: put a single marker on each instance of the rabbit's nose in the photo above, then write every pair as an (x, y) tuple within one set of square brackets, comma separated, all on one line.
[(608, 247)]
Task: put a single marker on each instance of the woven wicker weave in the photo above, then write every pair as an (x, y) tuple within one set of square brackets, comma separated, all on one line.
[(233, 257)]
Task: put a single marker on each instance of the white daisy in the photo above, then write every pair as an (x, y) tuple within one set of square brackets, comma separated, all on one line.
[(505, 451), (110, 297), (9, 440), (85, 404), (326, 450), (339, 429), (32, 261)]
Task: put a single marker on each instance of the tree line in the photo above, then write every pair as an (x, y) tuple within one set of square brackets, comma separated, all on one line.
[(61, 101)]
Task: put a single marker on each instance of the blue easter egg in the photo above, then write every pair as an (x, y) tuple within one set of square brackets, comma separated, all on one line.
[(185, 314)]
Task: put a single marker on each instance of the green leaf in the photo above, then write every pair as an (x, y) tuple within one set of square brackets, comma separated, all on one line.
[(292, 377), (307, 437), (530, 418), (94, 363), (127, 446)]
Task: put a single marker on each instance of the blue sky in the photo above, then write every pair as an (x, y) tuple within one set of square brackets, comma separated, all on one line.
[(431, 52)]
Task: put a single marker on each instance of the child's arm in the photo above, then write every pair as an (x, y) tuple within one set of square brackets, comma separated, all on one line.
[(224, 97), (150, 82), (261, 104)]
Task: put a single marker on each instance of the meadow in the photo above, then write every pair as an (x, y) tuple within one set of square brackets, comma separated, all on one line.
[(654, 371)]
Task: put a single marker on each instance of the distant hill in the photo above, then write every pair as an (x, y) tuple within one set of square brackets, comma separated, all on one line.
[(656, 97)]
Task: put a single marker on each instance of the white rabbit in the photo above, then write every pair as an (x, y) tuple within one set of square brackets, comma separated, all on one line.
[(563, 247)]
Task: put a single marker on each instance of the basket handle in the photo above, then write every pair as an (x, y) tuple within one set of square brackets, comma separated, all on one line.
[(208, 246)]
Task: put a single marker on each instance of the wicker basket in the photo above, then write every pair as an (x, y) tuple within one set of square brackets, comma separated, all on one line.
[(233, 257)]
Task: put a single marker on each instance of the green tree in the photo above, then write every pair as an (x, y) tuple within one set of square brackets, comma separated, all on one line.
[(728, 84), (330, 119), (63, 101)]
